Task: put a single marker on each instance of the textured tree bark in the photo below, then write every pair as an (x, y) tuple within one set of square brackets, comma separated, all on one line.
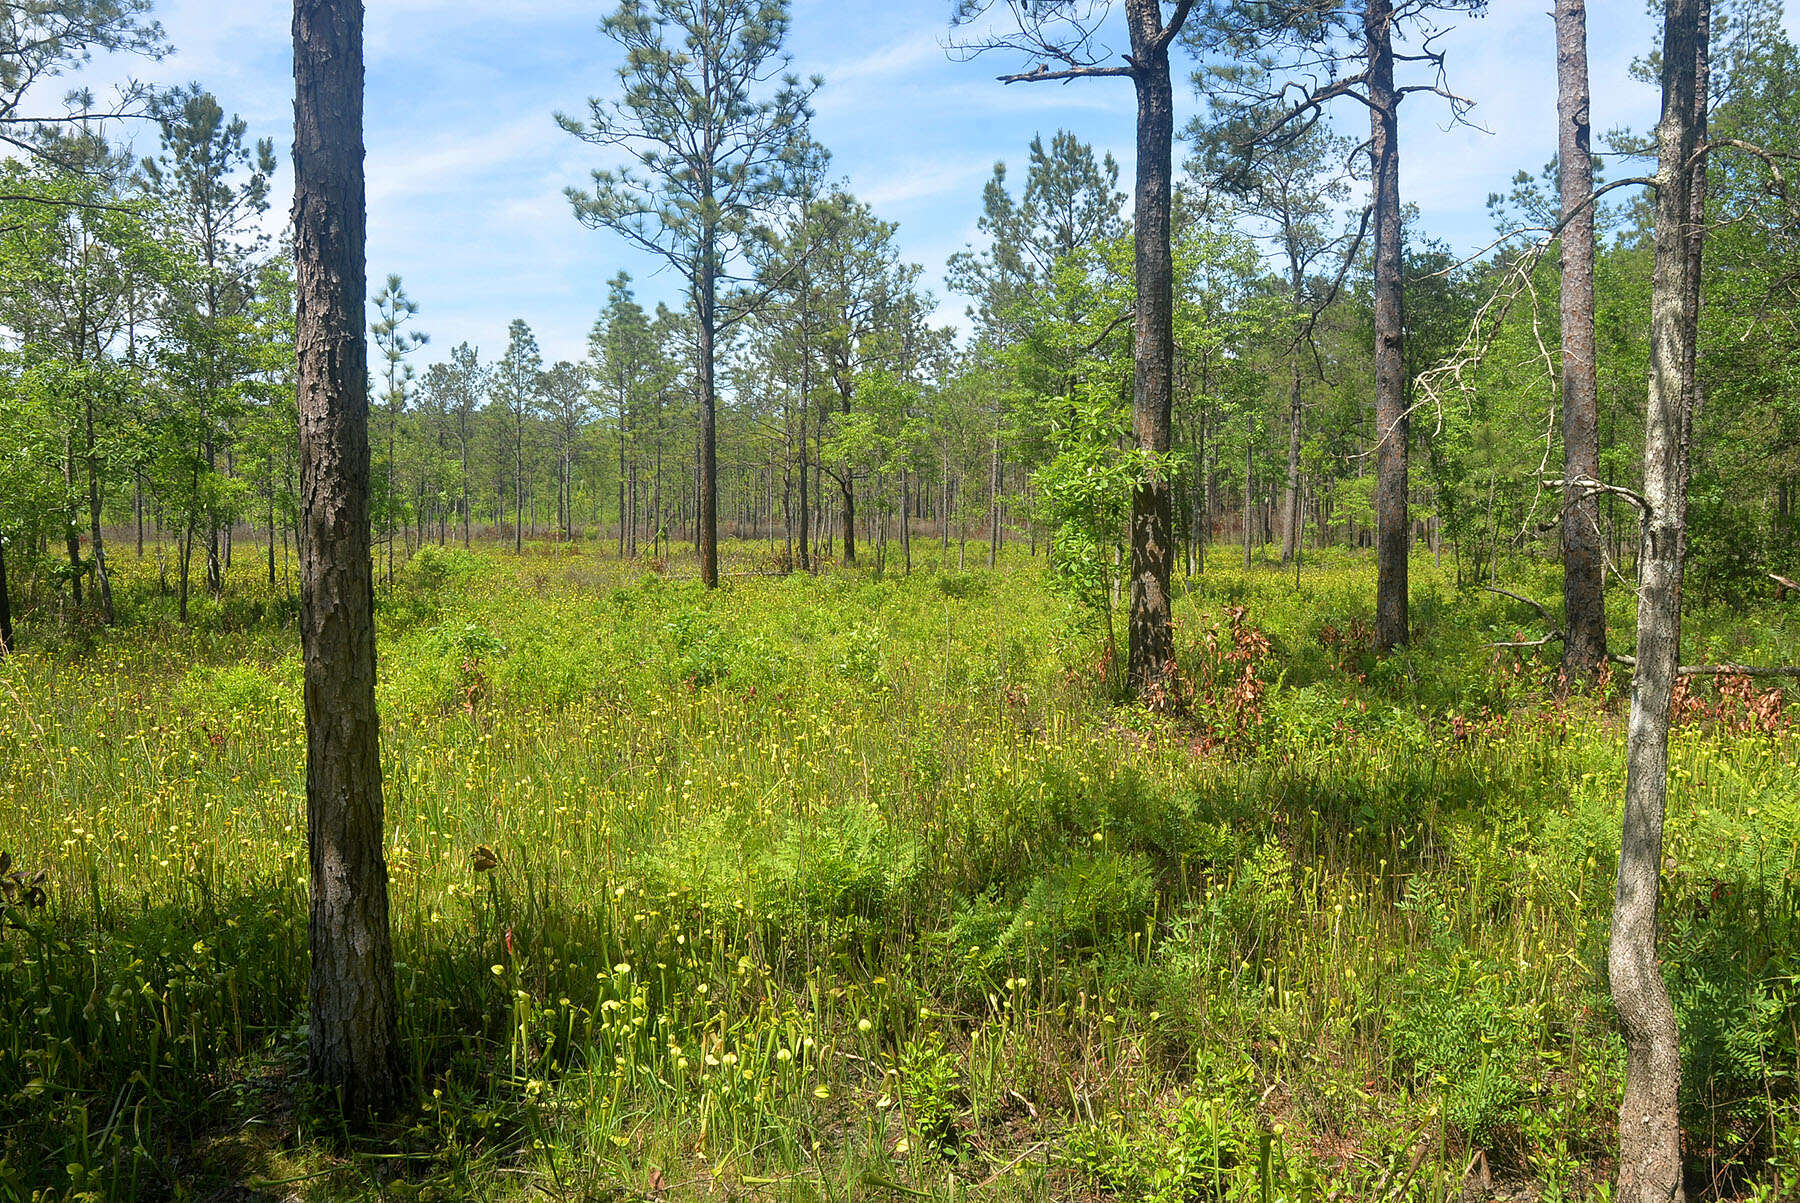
[(1691, 397), (519, 477), (624, 516), (71, 532), (1584, 599), (1150, 633), (805, 515), (1290, 496), (847, 488), (1649, 1127), (463, 436), (215, 570), (994, 494), (6, 624), (102, 577), (353, 1048), (1392, 535), (1249, 459), (906, 520), (708, 483)]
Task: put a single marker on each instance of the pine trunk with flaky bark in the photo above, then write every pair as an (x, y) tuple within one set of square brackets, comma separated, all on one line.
[(1151, 640), (71, 532), (624, 510), (805, 513), (1691, 397), (994, 494), (1584, 599), (906, 520), (353, 1049), (706, 313), (847, 502), (1290, 495), (6, 624), (1392, 535), (102, 576), (1649, 1127), (519, 475)]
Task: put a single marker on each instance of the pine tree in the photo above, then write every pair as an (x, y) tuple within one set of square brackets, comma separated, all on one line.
[(353, 1049), (515, 390), (1351, 45), (394, 310), (1065, 31), (712, 120), (214, 188)]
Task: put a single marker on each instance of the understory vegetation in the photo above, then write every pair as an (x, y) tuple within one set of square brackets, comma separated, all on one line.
[(866, 886)]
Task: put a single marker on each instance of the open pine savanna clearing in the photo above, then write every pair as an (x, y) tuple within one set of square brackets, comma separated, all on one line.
[(1246, 657), (859, 885)]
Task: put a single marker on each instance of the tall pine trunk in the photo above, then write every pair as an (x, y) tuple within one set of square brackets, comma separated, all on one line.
[(1584, 598), (1392, 534), (624, 510), (6, 623), (1649, 1127), (1691, 397), (1290, 497), (71, 531), (847, 491), (102, 577), (707, 503), (353, 1049), (1249, 455), (463, 435), (906, 502), (519, 477), (994, 494), (1150, 634)]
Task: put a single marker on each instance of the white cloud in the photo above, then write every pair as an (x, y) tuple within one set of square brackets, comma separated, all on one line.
[(913, 180), (466, 168), (460, 161)]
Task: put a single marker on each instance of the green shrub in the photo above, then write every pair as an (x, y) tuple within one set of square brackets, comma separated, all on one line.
[(219, 694), (437, 570), (931, 1083), (1198, 1147)]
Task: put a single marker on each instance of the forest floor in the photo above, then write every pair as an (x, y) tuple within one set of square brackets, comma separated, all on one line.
[(866, 887)]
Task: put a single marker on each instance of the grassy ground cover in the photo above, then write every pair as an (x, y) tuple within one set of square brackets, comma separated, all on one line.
[(860, 886)]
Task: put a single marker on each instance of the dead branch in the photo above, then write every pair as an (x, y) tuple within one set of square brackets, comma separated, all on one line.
[(1720, 670), (1042, 72), (1595, 487), (1556, 635), (1540, 607), (1552, 637)]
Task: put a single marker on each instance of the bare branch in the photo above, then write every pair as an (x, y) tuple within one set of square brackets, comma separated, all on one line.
[(1552, 637), (1721, 670), (1041, 73), (1595, 486), (1540, 607)]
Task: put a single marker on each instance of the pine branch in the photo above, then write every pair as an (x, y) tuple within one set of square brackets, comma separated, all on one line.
[(1044, 73)]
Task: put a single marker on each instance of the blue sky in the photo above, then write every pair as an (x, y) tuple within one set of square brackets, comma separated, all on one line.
[(466, 166)]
